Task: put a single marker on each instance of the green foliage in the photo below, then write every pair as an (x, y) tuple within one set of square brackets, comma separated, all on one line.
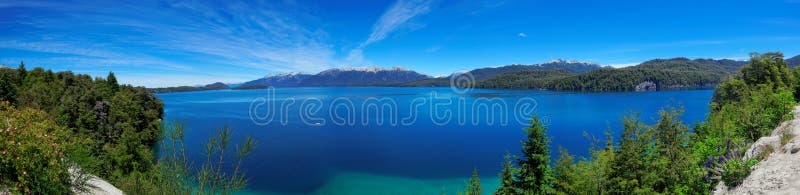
[(633, 158), (534, 173), (564, 173), (111, 128), (112, 82), (215, 175), (736, 171), (664, 74), (8, 82), (768, 68), (507, 178), (530, 79), (666, 157), (473, 186), (32, 147)]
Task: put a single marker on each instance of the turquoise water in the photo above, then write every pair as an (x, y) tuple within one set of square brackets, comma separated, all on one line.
[(345, 148)]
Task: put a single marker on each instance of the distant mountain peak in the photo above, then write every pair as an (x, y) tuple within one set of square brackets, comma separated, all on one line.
[(560, 61), (283, 74), (369, 69)]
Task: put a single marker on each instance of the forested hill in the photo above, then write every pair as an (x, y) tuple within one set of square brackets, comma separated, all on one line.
[(569, 66), (658, 74), (793, 62), (482, 74), (105, 128), (529, 79)]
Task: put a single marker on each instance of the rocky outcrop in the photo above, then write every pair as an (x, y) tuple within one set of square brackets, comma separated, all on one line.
[(779, 173), (646, 86), (90, 184)]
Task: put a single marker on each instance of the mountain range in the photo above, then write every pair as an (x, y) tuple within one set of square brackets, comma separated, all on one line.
[(571, 75)]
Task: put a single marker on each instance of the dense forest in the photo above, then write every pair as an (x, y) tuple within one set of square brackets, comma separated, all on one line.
[(58, 126), (212, 86), (530, 79), (659, 74), (482, 74), (666, 157)]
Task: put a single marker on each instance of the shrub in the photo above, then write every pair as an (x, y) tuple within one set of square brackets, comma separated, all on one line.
[(736, 171), (32, 152)]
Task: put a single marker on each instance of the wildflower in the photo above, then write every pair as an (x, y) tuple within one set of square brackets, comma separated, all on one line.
[(4, 152), (729, 143), (718, 148)]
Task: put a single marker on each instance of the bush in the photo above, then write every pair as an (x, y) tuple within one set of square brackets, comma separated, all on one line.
[(32, 152), (736, 171)]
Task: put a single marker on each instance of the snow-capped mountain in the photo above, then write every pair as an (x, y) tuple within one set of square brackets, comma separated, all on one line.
[(341, 77)]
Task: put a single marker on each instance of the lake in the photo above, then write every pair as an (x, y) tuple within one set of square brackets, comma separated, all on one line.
[(368, 140)]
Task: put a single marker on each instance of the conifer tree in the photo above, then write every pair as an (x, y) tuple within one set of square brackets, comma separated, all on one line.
[(507, 178), (474, 184), (534, 174), (112, 82)]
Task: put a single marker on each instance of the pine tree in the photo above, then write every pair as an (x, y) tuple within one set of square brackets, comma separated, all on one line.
[(534, 174), (629, 166), (21, 73), (112, 82), (7, 86), (564, 173), (507, 178), (473, 185), (671, 139)]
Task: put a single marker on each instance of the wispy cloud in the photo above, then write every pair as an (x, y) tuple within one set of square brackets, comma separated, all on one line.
[(400, 14), (523, 35), (790, 22), (395, 17), (175, 36)]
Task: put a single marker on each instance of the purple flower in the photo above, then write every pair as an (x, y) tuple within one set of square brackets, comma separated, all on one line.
[(729, 144)]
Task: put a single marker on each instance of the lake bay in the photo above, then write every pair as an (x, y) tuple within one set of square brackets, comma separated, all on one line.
[(363, 140)]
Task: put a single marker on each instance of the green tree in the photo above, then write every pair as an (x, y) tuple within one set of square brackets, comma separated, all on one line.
[(8, 85), (672, 147), (473, 186), (112, 82), (507, 178), (564, 173), (534, 175), (631, 166), (21, 73), (768, 68)]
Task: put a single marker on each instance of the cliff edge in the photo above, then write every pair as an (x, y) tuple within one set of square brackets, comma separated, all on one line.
[(779, 172)]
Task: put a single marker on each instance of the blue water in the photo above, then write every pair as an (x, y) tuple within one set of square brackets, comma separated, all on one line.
[(313, 154)]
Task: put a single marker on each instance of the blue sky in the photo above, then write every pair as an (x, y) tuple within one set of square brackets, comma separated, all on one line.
[(168, 43)]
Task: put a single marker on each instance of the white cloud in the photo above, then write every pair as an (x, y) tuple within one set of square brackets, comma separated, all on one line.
[(399, 14), (523, 35), (252, 35), (355, 56)]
